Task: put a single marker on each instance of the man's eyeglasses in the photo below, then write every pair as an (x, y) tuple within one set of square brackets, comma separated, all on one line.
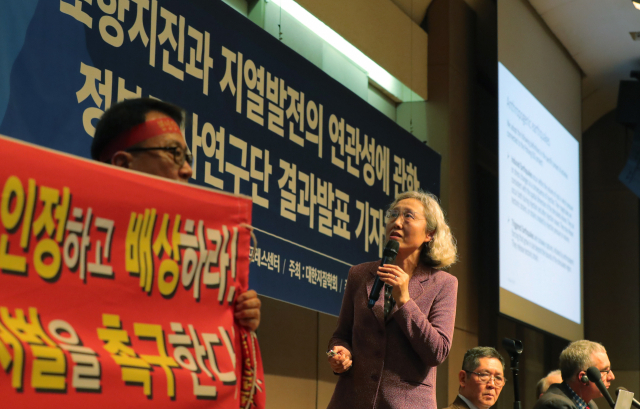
[(408, 215), (498, 380), (180, 156), (605, 373)]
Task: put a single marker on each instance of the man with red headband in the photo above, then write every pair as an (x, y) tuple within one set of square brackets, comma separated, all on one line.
[(145, 134)]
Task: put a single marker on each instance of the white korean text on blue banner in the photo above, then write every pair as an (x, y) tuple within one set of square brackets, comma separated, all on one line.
[(320, 163)]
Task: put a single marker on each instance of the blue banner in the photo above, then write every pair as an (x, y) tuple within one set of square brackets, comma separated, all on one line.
[(320, 164)]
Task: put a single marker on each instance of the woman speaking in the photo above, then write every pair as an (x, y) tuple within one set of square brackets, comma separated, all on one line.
[(386, 356)]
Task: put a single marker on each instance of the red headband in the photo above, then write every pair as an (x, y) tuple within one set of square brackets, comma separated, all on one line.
[(139, 133)]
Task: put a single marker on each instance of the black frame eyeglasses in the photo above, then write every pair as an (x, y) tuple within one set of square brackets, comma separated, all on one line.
[(180, 156), (498, 381)]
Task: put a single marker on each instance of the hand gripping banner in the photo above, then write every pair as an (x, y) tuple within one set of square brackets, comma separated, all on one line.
[(117, 289)]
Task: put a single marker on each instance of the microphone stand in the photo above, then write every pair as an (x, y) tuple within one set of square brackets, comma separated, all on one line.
[(514, 348)]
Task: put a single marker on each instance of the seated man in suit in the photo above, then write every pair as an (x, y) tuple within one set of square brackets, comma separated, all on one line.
[(481, 379), (576, 391), (145, 135), (544, 383)]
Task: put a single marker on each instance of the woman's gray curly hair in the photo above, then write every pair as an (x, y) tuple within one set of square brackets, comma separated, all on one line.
[(441, 250)]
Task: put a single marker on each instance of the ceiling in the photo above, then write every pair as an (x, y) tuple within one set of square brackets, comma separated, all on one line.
[(596, 33)]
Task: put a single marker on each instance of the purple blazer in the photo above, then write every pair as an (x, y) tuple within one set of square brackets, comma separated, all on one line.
[(394, 362)]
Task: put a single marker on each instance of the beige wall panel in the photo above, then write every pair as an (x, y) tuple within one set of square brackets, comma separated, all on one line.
[(442, 385), (530, 51), (449, 118), (438, 121), (383, 32), (290, 392), (326, 378), (418, 59), (325, 391), (288, 342), (438, 108), (461, 38), (458, 187), (462, 342)]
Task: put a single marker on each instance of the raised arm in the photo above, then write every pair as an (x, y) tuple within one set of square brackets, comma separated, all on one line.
[(430, 335)]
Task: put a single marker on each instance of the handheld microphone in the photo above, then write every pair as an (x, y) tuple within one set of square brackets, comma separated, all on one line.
[(388, 256), (634, 401), (594, 376)]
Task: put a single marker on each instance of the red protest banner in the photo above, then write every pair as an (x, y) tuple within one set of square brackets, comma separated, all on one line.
[(117, 288)]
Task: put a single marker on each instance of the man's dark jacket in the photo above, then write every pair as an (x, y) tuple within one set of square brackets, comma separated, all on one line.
[(558, 397)]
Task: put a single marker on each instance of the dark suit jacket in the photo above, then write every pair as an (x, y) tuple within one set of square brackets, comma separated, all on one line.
[(394, 362), (458, 404), (558, 397)]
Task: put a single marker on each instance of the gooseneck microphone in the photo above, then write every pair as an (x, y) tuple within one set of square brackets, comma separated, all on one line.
[(388, 256), (596, 377), (634, 401)]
